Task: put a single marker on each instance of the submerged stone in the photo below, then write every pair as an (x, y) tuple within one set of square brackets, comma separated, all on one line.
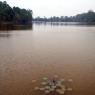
[(45, 78), (70, 80), (42, 89), (63, 88), (47, 87), (54, 84), (47, 91), (59, 91), (44, 83), (69, 89), (33, 81), (53, 87), (59, 83), (62, 80), (56, 76), (36, 88)]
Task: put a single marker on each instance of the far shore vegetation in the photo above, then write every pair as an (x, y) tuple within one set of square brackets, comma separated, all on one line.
[(88, 17), (15, 15), (18, 16)]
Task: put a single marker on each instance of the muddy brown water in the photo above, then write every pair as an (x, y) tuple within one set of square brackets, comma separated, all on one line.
[(45, 51)]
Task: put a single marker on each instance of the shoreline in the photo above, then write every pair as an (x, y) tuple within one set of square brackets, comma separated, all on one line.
[(64, 23)]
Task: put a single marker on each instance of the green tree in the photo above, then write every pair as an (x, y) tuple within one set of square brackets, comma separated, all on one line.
[(14, 15)]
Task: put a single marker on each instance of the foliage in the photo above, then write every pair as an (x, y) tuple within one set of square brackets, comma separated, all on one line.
[(84, 17), (14, 15)]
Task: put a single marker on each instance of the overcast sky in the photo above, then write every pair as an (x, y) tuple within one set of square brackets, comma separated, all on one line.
[(54, 7)]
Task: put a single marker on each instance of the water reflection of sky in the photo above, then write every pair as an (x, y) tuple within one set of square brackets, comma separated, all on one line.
[(5, 34)]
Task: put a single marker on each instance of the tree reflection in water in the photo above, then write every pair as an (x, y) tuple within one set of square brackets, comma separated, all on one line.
[(9, 27)]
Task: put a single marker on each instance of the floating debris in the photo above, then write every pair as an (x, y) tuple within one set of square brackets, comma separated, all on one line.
[(54, 84)]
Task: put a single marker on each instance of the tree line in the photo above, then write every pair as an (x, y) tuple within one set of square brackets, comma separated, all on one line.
[(17, 15), (14, 15), (84, 17)]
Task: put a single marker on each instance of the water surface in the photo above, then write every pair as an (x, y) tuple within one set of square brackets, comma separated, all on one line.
[(47, 50)]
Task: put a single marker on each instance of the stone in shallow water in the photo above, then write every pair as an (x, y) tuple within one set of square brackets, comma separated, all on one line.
[(47, 91), (45, 78), (59, 91), (43, 83), (42, 89), (47, 87), (36, 88), (33, 81), (59, 83), (62, 80), (63, 88), (53, 87), (69, 89), (70, 80), (50, 83), (56, 76)]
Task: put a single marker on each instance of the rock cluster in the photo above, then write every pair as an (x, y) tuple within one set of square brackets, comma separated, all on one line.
[(53, 85)]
